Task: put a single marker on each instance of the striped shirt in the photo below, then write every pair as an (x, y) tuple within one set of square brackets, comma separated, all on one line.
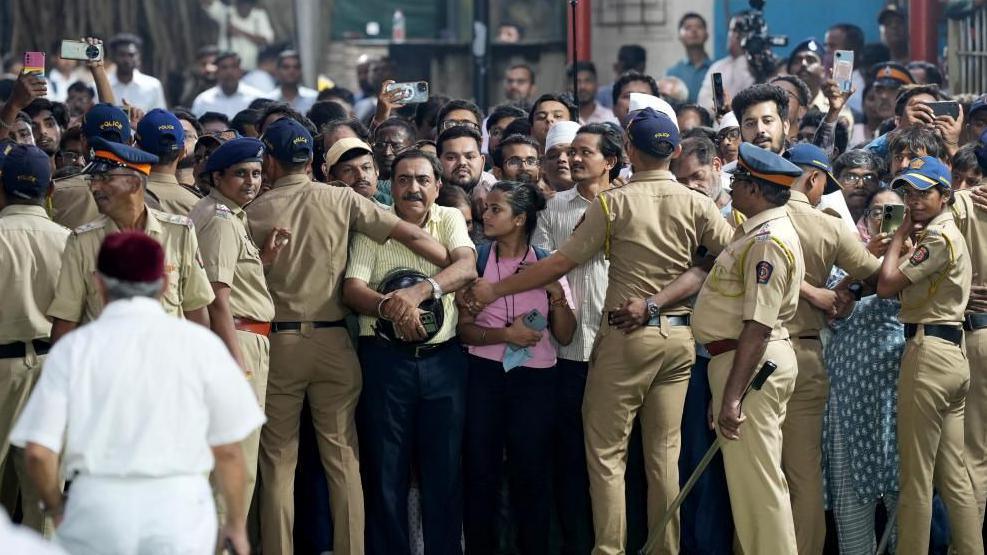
[(371, 262), (588, 281)]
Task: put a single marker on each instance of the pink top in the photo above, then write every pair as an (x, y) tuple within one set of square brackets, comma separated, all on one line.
[(504, 310)]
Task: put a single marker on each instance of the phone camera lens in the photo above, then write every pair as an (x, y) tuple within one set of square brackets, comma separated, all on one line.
[(422, 87), (92, 52)]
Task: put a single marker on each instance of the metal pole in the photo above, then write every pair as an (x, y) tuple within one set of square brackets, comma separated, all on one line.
[(481, 49), (575, 58)]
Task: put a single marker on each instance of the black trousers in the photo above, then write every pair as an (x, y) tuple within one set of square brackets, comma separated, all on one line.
[(512, 411), (571, 478), (411, 410)]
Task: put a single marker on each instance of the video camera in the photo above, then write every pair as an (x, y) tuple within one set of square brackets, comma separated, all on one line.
[(756, 41)]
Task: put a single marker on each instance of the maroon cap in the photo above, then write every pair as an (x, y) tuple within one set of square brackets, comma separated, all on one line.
[(131, 256)]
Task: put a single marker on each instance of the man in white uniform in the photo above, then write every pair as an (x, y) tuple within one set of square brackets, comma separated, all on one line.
[(132, 403)]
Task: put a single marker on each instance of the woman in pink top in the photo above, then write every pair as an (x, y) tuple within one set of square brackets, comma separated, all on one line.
[(510, 398)]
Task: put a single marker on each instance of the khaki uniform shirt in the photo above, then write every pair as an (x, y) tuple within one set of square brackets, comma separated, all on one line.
[(826, 241), (370, 263), (939, 271), (306, 278), (31, 248), (76, 297), (72, 203), (654, 225), (972, 223), (174, 198), (757, 277), (231, 257)]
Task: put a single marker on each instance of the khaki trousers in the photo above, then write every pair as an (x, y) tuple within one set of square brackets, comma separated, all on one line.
[(17, 379), (255, 350), (935, 377), (762, 511), (975, 418), (801, 452), (322, 364), (646, 374)]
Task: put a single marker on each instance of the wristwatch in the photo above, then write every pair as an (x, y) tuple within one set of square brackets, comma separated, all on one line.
[(436, 289), (653, 310)]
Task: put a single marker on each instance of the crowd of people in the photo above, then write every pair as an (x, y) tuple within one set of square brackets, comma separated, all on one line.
[(506, 330)]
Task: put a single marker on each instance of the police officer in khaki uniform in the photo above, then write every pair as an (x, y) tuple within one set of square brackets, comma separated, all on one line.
[(933, 285), (30, 256), (71, 201), (117, 176), (161, 133), (243, 309), (972, 223), (640, 365), (740, 315), (826, 242), (311, 352)]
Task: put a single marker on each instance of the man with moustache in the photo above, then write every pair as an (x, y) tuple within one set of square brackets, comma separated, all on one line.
[(459, 153), (351, 161), (596, 154), (414, 389), (555, 165), (517, 159), (118, 177), (391, 137), (590, 111), (48, 120), (699, 168)]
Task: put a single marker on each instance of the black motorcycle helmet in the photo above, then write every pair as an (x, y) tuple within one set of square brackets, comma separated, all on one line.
[(433, 317)]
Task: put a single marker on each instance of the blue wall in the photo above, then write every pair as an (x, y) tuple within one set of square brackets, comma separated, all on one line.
[(800, 19)]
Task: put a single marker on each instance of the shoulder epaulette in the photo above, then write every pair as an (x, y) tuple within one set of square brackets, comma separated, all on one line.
[(98, 224), (223, 211), (177, 219)]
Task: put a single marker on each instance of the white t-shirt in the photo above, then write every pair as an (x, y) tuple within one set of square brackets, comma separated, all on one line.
[(215, 100), (142, 91), (138, 393)]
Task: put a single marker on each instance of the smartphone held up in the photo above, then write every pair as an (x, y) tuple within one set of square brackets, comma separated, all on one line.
[(81, 50), (843, 69), (411, 92)]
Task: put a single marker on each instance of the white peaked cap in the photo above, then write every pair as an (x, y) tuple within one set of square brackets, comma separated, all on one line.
[(563, 132), (640, 101), (728, 120)]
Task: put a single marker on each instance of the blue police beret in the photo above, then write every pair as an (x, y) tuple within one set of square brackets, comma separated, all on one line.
[(765, 165), (981, 151), (26, 171), (807, 154), (287, 141), (924, 172), (107, 155), (243, 149), (653, 132), (107, 121), (810, 44), (979, 104), (160, 132)]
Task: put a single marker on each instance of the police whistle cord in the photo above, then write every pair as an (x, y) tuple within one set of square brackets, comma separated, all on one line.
[(757, 383)]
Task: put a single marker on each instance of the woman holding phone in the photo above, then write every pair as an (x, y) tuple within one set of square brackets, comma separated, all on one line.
[(510, 390), (933, 285)]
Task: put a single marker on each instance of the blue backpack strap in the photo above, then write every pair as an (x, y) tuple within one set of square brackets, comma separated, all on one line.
[(482, 254), (541, 253)]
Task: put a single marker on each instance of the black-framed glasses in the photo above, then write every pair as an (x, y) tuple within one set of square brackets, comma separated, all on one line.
[(517, 162), (855, 180), (450, 123)]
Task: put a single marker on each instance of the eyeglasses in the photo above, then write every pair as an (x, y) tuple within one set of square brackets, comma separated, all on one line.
[(731, 135), (382, 146), (450, 123), (855, 180), (517, 162)]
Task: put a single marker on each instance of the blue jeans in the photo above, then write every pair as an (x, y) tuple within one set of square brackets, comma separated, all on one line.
[(411, 411), (707, 521)]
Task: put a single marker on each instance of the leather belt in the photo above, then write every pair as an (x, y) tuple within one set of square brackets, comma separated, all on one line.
[(721, 346), (813, 337), (953, 334), (975, 321), (417, 351), (672, 320), (253, 326), (296, 326), (19, 349)]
